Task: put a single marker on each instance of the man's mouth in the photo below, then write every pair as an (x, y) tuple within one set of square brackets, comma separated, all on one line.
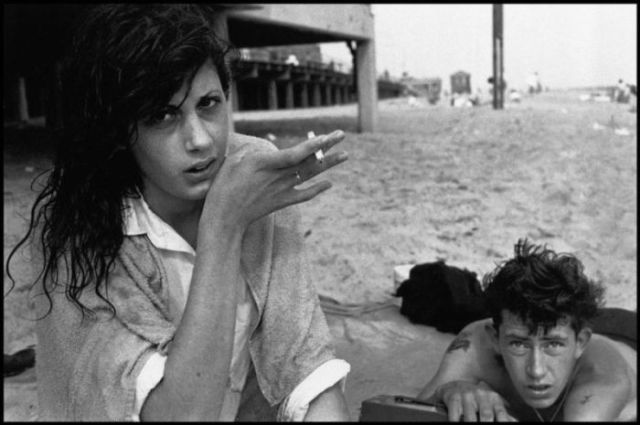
[(538, 389)]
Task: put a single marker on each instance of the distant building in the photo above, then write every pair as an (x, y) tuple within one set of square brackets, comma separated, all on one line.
[(263, 80), (306, 54), (427, 87), (461, 83)]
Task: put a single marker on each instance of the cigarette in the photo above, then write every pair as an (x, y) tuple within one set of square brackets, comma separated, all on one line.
[(319, 154)]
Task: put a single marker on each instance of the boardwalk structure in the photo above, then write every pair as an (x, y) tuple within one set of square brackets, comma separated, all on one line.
[(36, 35), (258, 25)]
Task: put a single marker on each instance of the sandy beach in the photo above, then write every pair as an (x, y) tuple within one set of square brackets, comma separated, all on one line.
[(435, 182)]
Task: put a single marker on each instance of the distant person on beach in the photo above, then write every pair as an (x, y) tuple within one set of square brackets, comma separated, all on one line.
[(622, 92), (547, 354), (172, 281), (533, 81)]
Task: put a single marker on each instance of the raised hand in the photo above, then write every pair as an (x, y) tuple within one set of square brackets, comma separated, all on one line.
[(255, 181), (473, 402)]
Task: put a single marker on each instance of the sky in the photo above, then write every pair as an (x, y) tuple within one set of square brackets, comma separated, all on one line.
[(569, 45)]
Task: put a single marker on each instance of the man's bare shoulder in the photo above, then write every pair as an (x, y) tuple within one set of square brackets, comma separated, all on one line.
[(609, 362), (606, 382), (603, 351), (476, 333)]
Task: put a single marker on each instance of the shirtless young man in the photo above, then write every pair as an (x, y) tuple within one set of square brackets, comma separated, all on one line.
[(537, 358)]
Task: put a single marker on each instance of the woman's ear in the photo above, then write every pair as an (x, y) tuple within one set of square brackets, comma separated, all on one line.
[(582, 339), (492, 333)]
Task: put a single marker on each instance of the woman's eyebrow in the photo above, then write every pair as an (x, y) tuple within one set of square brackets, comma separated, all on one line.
[(211, 91)]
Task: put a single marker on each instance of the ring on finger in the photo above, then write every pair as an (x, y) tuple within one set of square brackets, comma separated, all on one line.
[(319, 156)]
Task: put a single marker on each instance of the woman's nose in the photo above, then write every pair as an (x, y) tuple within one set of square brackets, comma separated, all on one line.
[(196, 136)]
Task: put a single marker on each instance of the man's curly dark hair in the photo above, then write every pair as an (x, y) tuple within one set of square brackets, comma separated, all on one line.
[(541, 286)]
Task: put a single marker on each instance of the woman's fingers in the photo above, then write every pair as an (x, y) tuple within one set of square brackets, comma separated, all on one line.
[(312, 167), (297, 154), (308, 193)]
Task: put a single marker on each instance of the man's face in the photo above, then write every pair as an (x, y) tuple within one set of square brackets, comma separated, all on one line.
[(539, 364)]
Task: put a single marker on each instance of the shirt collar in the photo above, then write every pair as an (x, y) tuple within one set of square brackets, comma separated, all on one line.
[(140, 220)]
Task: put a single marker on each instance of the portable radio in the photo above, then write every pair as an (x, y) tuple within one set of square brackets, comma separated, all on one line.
[(398, 408)]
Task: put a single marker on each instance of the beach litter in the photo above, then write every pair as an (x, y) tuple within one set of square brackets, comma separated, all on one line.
[(622, 131)]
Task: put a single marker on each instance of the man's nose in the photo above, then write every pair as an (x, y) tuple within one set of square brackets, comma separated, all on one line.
[(535, 363), (195, 134)]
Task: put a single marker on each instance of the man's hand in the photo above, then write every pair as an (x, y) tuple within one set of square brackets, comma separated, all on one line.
[(473, 402)]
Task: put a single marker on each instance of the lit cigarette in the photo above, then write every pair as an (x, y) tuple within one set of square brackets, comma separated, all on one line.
[(319, 154)]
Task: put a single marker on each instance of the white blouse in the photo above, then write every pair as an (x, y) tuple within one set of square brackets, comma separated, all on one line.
[(179, 259)]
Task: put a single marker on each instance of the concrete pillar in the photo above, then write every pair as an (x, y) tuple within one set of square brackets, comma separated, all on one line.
[(304, 95), (289, 95), (337, 95), (221, 29), (23, 105), (316, 100), (235, 102), (327, 94), (272, 94), (367, 90)]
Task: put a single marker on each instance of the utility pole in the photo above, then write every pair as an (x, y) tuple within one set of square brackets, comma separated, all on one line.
[(498, 58)]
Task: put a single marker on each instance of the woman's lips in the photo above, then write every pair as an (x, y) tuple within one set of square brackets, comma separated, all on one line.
[(201, 170)]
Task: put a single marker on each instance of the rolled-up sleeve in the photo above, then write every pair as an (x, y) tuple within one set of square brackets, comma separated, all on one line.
[(295, 406), (150, 376)]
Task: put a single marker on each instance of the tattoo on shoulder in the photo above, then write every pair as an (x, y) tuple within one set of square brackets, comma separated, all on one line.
[(461, 341), (586, 399)]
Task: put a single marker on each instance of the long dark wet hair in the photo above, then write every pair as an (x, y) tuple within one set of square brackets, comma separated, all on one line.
[(124, 65)]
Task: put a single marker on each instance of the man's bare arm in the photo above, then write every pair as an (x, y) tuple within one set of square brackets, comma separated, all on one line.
[(459, 361), (460, 383)]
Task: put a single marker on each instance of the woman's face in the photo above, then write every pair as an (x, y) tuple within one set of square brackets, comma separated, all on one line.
[(180, 151)]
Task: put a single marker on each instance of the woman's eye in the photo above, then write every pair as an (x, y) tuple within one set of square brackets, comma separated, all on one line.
[(161, 117), (209, 102), (166, 116)]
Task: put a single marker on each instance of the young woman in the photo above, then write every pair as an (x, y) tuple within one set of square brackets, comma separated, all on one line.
[(172, 285)]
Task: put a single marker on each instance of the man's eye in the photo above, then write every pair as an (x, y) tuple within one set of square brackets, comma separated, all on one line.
[(555, 345), (517, 347)]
